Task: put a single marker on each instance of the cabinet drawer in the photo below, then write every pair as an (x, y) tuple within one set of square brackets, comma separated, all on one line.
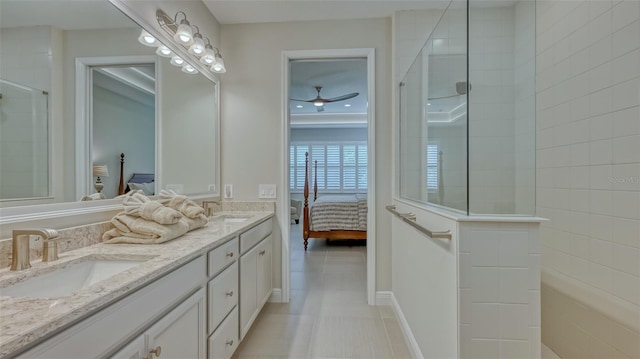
[(222, 256), (224, 341), (251, 237), (222, 295)]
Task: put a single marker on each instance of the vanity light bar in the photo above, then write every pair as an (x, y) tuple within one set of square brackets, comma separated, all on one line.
[(193, 42)]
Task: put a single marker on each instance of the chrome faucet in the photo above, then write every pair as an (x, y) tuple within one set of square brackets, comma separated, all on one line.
[(20, 255)]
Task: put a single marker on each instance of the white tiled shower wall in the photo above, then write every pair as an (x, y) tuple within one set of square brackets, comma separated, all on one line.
[(588, 179), (24, 137), (499, 290)]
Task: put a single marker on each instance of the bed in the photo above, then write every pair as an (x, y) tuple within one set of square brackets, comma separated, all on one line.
[(332, 216), (142, 181)]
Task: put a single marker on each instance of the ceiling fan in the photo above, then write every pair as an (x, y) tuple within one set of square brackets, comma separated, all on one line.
[(319, 102)]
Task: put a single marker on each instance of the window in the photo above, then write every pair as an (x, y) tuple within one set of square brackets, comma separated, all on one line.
[(342, 167), (432, 168)]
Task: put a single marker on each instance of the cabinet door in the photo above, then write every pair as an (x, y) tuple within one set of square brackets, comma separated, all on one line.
[(248, 295), (224, 341), (264, 283), (181, 333), (134, 350)]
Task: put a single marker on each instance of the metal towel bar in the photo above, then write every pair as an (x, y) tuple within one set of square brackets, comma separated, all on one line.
[(410, 218)]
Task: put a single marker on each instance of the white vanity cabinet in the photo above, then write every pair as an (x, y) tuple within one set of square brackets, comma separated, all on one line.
[(179, 334), (222, 301), (200, 309), (111, 329), (255, 273), (134, 350)]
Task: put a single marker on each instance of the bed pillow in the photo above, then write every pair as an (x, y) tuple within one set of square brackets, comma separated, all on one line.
[(147, 188)]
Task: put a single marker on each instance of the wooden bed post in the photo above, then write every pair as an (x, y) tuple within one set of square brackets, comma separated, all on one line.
[(315, 181), (305, 217), (121, 185)]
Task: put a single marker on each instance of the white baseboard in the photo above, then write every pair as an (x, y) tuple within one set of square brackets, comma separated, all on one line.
[(406, 330), (276, 296), (384, 298)]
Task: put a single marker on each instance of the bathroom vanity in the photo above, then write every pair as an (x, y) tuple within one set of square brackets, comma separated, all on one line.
[(194, 297)]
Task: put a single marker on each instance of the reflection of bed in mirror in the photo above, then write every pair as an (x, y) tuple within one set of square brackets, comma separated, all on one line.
[(142, 181), (334, 216)]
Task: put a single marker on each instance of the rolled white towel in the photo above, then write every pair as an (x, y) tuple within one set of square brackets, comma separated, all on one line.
[(132, 229), (141, 206), (181, 203)]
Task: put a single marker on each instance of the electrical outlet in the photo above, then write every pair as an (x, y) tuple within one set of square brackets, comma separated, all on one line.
[(212, 188), (267, 191), (228, 191), (177, 188)]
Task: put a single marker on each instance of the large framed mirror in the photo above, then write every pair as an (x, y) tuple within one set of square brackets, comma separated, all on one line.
[(74, 132)]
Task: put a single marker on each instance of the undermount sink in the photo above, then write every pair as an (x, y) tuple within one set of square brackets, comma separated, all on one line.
[(66, 280), (229, 218)]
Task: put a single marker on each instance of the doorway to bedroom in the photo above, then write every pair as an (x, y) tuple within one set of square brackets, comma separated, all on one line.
[(330, 244)]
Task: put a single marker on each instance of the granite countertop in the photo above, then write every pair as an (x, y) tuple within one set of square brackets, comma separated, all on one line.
[(25, 320)]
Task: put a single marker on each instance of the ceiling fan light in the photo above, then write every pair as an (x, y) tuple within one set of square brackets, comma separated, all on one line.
[(147, 40), (164, 51), (318, 103)]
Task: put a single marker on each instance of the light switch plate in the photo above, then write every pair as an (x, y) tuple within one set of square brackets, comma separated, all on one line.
[(212, 188), (267, 191), (228, 191), (177, 188)]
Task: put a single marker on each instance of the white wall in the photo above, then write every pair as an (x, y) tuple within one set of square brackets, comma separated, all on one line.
[(588, 185), (491, 110), (251, 114)]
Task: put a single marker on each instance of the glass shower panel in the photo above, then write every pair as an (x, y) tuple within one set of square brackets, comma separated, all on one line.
[(446, 151), (502, 108), (467, 111), (24, 152), (433, 117)]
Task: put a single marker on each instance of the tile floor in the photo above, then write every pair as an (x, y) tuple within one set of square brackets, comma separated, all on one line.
[(328, 315)]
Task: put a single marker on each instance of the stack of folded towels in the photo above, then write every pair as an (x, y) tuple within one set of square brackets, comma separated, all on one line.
[(146, 221)]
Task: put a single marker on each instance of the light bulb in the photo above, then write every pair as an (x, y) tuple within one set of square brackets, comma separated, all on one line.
[(184, 34), (318, 103), (189, 69), (147, 40), (209, 56), (177, 61), (218, 66), (164, 51), (197, 48)]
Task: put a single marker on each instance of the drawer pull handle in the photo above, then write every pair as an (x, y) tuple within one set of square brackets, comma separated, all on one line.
[(230, 294), (230, 342), (262, 252), (157, 351), (230, 254)]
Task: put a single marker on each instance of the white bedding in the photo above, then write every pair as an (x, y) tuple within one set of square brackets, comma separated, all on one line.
[(339, 212)]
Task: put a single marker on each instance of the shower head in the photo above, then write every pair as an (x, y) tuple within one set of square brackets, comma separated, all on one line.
[(461, 87)]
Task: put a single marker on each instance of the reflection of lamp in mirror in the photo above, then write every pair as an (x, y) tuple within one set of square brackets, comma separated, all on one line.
[(100, 170)]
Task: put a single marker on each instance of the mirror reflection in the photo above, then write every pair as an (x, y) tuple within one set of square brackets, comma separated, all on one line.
[(58, 154), (123, 127)]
